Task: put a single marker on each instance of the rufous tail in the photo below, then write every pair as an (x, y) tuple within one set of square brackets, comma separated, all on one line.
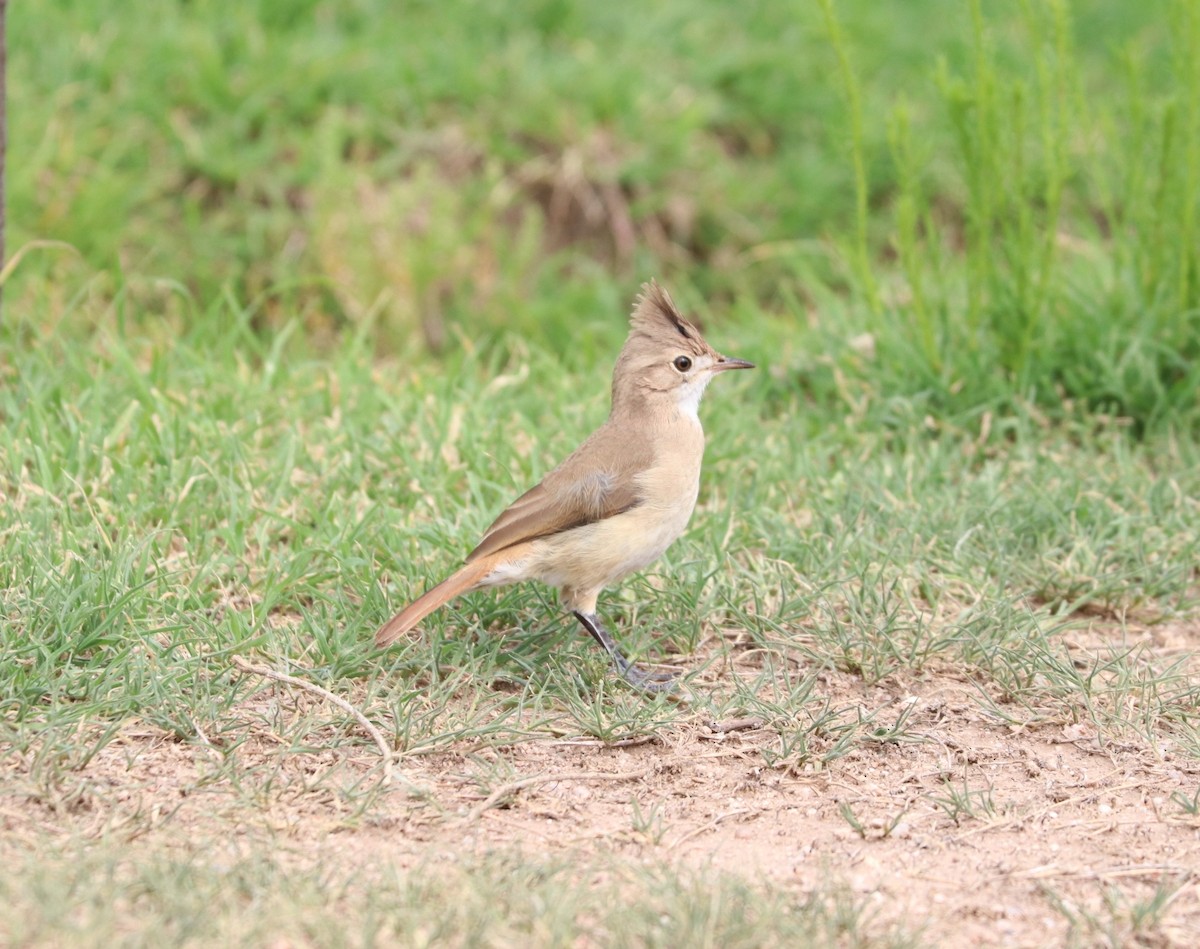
[(462, 580)]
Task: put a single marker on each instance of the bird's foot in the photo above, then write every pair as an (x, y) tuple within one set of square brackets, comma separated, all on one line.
[(639, 678), (629, 671)]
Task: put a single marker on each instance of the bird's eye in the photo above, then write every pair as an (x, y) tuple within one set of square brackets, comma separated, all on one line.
[(682, 363)]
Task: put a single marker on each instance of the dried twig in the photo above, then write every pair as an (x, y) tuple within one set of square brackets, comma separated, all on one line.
[(714, 823), (376, 735), (1106, 873), (718, 730), (1043, 811), (513, 786), (601, 743)]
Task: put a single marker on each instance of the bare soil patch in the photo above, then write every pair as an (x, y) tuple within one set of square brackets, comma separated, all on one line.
[(966, 831)]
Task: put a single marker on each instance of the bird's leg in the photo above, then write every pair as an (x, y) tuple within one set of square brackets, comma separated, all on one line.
[(630, 672)]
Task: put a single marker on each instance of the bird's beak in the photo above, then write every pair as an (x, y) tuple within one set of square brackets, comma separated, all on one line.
[(724, 362)]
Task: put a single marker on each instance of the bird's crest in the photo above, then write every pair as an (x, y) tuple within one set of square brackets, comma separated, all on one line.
[(656, 316)]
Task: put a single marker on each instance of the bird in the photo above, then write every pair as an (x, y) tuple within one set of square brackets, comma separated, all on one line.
[(615, 504)]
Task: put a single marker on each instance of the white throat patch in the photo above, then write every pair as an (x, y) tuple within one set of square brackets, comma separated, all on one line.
[(689, 398)]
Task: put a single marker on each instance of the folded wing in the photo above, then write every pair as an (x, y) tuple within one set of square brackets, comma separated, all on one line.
[(597, 482)]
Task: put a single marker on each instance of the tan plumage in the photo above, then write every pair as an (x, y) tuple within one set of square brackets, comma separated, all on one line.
[(579, 491), (616, 503)]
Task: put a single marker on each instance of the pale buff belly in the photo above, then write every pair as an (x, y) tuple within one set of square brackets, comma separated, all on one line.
[(586, 559), (596, 556)]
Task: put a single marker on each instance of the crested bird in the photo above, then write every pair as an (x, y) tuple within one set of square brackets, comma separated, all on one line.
[(619, 500)]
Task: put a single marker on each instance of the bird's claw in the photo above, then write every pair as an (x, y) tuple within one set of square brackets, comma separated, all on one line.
[(630, 672), (646, 681)]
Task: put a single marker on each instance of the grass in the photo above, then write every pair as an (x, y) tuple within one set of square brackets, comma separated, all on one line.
[(336, 292), (169, 509), (1034, 173), (183, 896)]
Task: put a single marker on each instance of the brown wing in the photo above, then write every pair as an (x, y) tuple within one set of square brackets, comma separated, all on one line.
[(598, 481)]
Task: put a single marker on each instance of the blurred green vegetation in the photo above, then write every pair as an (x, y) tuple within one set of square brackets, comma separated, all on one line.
[(995, 203)]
